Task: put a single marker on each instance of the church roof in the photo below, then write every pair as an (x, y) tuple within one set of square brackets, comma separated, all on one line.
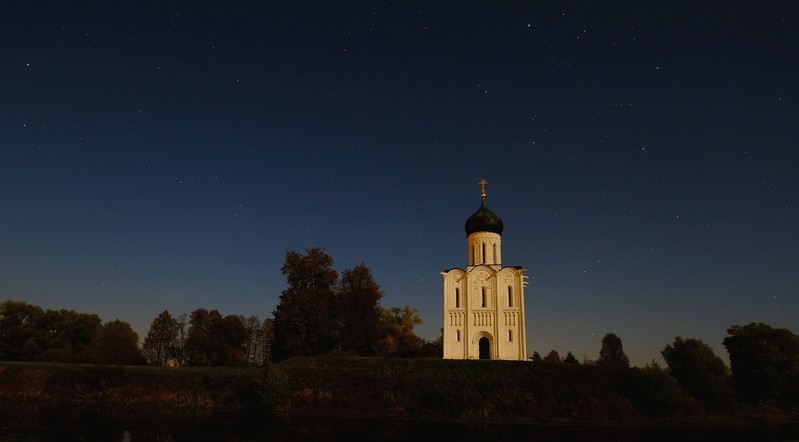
[(484, 220)]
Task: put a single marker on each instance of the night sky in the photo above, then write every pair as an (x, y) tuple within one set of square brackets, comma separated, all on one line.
[(644, 157)]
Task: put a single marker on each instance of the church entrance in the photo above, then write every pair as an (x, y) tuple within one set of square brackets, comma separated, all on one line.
[(485, 348)]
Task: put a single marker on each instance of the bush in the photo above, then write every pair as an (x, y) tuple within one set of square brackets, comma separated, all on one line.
[(653, 390)]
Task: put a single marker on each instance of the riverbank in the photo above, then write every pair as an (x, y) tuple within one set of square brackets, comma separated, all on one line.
[(377, 388)]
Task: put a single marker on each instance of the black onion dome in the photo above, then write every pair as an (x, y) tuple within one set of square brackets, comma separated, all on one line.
[(484, 220)]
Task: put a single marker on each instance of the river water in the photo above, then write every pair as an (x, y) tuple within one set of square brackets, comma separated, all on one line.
[(22, 423)]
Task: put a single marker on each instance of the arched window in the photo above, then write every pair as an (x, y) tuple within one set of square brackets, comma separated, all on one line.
[(494, 250), (483, 259), (510, 297), (483, 292), (457, 298), (510, 335), (458, 335)]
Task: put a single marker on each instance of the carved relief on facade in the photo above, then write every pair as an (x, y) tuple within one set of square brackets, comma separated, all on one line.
[(456, 319)]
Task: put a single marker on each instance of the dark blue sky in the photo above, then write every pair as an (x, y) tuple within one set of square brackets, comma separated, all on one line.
[(643, 157)]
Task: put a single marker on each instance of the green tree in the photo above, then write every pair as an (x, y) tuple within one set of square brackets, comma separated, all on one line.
[(552, 356), (22, 333), (698, 370), (764, 361), (116, 343), (161, 339), (303, 318), (653, 389), (358, 312), (570, 359), (201, 343), (69, 335), (612, 352)]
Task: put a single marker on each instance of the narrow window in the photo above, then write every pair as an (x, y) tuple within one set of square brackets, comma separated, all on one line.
[(483, 260), (494, 250), (510, 335), (484, 297), (457, 298), (510, 297), (458, 335)]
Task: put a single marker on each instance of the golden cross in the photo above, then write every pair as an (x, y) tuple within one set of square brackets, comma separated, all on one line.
[(483, 183)]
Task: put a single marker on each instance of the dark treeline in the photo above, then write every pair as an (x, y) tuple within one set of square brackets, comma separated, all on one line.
[(30, 333), (764, 367), (322, 311)]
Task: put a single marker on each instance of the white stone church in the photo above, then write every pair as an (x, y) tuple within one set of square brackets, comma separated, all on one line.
[(484, 304)]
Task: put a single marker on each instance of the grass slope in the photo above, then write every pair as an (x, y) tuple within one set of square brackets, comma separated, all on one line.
[(426, 389)]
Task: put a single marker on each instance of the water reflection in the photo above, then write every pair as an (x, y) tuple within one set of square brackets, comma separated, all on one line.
[(31, 424)]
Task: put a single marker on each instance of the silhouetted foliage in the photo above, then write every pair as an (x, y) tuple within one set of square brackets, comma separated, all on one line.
[(552, 356), (303, 318), (653, 390), (256, 346), (612, 352), (213, 340), (536, 357), (116, 343), (161, 339), (358, 312), (432, 349), (23, 335), (698, 370), (398, 338), (320, 313), (268, 330), (69, 335), (570, 359), (30, 333), (764, 361)]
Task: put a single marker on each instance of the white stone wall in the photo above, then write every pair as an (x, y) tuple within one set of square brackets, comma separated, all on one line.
[(484, 301), (485, 248)]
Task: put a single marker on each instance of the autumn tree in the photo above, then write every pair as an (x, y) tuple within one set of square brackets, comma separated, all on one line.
[(612, 353), (177, 351), (232, 341), (698, 370), (213, 340), (254, 346), (358, 311), (161, 339), (303, 318), (116, 343), (397, 336), (268, 336), (764, 361), (200, 346)]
